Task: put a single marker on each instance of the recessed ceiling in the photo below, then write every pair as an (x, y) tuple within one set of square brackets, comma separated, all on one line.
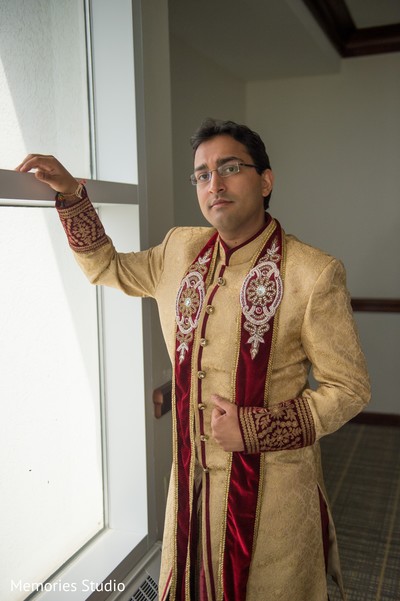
[(255, 39), (265, 39), (350, 39), (372, 13)]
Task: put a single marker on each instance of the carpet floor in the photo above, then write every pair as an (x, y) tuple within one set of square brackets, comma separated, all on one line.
[(362, 476)]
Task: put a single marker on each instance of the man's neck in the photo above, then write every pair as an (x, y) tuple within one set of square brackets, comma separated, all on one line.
[(234, 239)]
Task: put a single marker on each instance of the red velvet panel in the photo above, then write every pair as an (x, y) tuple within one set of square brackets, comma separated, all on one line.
[(183, 458), (245, 473)]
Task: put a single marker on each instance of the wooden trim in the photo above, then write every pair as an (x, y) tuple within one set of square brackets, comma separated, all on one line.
[(377, 419), (376, 305), (335, 20), (373, 40), (162, 399)]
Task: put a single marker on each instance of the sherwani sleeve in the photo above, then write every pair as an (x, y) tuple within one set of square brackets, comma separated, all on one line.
[(136, 274), (330, 341)]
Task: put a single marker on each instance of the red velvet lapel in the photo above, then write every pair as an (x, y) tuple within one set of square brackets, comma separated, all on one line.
[(260, 297), (188, 309)]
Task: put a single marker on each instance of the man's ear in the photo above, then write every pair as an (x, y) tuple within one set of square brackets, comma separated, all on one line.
[(267, 181)]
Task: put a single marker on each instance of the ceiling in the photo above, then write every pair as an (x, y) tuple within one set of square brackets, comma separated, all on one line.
[(264, 39), (372, 13)]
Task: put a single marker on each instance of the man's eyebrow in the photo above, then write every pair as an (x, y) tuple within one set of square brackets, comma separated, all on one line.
[(221, 161), (228, 160)]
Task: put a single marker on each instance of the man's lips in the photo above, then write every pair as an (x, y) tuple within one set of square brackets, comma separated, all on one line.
[(219, 202)]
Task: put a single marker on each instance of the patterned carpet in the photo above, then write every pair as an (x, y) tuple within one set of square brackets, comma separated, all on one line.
[(362, 476)]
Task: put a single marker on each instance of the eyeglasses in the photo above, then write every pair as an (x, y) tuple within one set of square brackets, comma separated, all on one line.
[(226, 170)]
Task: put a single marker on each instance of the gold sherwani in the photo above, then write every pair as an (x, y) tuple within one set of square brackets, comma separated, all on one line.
[(315, 328)]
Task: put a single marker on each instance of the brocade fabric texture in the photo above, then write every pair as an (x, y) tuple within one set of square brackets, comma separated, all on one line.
[(286, 426), (84, 230)]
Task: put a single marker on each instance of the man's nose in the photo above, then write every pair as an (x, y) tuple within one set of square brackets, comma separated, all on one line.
[(217, 183)]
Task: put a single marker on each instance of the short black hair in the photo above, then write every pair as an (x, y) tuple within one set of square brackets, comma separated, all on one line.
[(243, 134)]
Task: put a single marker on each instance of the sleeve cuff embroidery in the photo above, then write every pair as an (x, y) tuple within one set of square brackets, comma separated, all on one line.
[(83, 227), (286, 426)]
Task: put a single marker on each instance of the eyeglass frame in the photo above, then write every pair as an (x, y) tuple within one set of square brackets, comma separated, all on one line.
[(194, 181)]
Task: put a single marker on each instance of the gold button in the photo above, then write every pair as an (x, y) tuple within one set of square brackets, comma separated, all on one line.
[(210, 309), (203, 342), (221, 281), (201, 374), (204, 438), (206, 470), (201, 406)]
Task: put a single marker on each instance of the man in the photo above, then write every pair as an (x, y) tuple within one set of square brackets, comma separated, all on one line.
[(245, 311)]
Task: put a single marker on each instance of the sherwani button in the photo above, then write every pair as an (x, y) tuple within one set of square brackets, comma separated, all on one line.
[(221, 281), (201, 374), (201, 406), (203, 342), (206, 470), (210, 309), (204, 438)]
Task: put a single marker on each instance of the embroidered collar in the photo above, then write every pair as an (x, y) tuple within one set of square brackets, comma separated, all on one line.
[(260, 295)]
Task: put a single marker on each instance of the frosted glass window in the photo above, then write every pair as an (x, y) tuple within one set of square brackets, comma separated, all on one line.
[(72, 421), (50, 423), (43, 83), (114, 91)]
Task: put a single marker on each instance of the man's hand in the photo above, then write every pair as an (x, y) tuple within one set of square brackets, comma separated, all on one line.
[(225, 424), (50, 171)]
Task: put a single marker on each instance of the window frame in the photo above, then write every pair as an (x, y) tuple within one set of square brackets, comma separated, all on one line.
[(118, 540), (113, 552)]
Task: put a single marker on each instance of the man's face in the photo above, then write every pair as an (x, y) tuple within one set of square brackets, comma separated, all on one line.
[(234, 204)]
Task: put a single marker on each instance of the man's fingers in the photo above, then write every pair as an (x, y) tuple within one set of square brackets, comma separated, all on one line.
[(41, 175), (217, 411), (49, 170), (216, 414), (37, 161), (223, 405), (225, 424)]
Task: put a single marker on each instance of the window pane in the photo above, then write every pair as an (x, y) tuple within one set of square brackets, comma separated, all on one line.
[(51, 486), (114, 91), (43, 83)]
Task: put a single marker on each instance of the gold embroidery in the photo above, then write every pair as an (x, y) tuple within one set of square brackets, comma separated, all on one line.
[(193, 396), (268, 232), (260, 297), (307, 422), (220, 591), (276, 328), (189, 302), (249, 431), (261, 291), (176, 488), (286, 426), (83, 227), (220, 587), (275, 258)]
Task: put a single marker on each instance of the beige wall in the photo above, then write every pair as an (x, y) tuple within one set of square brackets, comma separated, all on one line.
[(199, 89), (335, 148), (157, 216), (334, 143)]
